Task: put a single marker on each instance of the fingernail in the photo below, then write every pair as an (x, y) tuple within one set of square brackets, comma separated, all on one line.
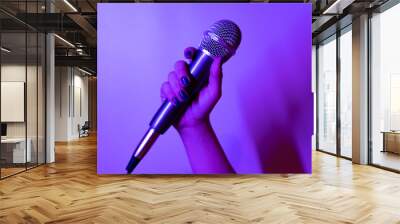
[(175, 101), (183, 95), (185, 81)]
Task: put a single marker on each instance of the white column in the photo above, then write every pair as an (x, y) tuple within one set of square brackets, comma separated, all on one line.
[(360, 90), (50, 92), (50, 99)]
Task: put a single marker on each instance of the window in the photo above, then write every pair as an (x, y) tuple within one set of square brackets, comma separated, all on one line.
[(385, 89), (327, 95), (346, 92)]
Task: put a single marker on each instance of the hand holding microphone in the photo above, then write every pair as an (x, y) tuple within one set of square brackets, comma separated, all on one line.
[(202, 146), (187, 105), (178, 85)]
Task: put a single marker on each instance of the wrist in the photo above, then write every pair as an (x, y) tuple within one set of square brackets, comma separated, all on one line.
[(194, 126)]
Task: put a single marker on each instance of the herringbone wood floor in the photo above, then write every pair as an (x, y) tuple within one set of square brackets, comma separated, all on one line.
[(70, 191)]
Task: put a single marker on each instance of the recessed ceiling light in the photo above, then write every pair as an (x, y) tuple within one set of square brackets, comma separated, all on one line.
[(84, 71), (70, 5), (64, 40), (5, 50), (337, 7)]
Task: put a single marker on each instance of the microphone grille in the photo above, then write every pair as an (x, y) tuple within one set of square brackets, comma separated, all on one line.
[(222, 39)]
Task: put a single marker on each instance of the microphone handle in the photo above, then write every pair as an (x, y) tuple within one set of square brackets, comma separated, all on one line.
[(168, 113)]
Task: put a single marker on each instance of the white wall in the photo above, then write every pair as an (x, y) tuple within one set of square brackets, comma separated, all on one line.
[(13, 101), (12, 73), (17, 73), (80, 84), (70, 83), (33, 126), (62, 81)]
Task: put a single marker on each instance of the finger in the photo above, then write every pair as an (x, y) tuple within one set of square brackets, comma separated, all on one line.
[(189, 53), (183, 75), (179, 93), (167, 92), (162, 95), (215, 79)]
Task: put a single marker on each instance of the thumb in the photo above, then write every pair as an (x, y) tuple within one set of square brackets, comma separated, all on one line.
[(215, 79)]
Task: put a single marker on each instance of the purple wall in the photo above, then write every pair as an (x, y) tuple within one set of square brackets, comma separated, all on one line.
[(264, 119)]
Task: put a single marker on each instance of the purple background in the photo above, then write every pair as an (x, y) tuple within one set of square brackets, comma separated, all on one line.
[(264, 119)]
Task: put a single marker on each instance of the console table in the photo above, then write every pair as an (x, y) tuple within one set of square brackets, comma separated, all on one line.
[(13, 150), (391, 141)]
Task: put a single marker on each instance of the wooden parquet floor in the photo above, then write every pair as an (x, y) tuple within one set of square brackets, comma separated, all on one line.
[(70, 191)]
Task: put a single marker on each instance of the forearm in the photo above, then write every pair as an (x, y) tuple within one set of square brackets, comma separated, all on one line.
[(204, 150)]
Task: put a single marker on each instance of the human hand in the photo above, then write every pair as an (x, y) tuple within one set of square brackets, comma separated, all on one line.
[(175, 90)]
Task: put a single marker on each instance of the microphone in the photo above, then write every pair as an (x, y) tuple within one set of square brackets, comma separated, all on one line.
[(221, 40)]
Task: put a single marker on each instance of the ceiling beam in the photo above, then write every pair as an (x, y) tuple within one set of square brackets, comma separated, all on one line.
[(82, 61), (86, 26)]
